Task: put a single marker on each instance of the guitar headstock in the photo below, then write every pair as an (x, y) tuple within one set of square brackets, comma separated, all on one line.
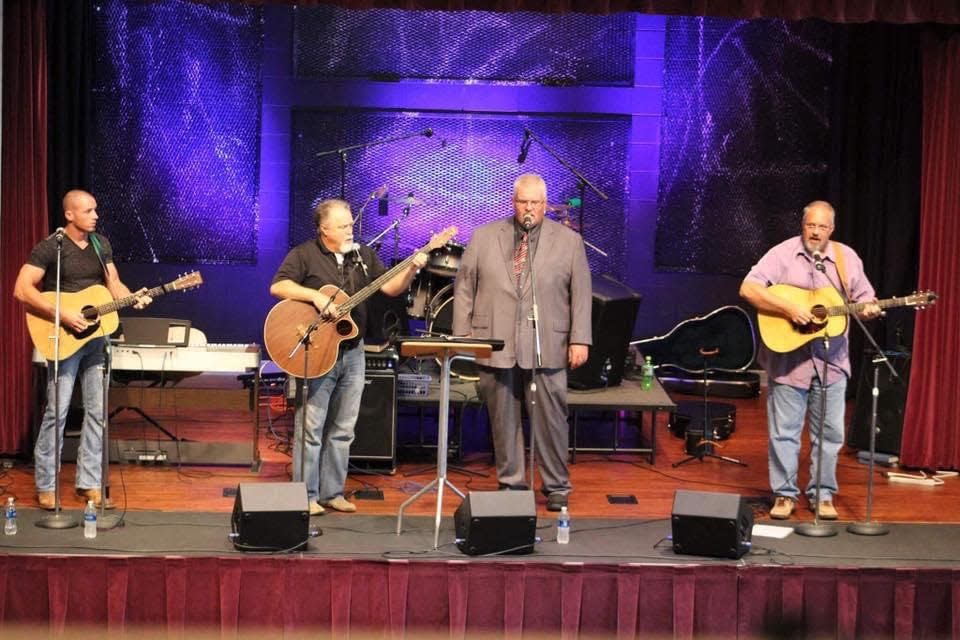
[(186, 281), (921, 299), (442, 238)]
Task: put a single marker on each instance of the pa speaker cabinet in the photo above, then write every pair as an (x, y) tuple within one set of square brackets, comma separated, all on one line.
[(613, 314), (891, 402), (711, 524), (496, 522), (375, 433), (270, 516)]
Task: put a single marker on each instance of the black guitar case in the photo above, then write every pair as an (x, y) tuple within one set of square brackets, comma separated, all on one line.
[(679, 363)]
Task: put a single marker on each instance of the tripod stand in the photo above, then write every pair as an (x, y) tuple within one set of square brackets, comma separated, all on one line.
[(705, 447)]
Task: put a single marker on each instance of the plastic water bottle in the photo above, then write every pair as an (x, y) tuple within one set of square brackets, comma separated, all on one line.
[(10, 515), (563, 526), (90, 520), (647, 374)]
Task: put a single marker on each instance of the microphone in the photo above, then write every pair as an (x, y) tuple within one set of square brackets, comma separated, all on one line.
[(58, 234), (527, 222), (524, 146), (427, 132), (357, 258), (818, 262)]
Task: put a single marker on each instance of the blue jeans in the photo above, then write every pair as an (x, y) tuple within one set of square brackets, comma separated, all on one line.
[(786, 408), (87, 363), (333, 404)]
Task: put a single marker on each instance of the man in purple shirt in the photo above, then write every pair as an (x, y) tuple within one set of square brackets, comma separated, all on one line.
[(808, 261)]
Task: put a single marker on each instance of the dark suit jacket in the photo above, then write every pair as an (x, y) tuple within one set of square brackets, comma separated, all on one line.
[(487, 304)]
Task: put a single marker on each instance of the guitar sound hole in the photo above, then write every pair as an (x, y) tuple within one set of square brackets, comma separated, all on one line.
[(344, 327)]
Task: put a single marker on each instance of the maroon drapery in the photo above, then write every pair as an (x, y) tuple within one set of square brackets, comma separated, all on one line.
[(931, 432), (23, 210), (896, 11), (388, 598)]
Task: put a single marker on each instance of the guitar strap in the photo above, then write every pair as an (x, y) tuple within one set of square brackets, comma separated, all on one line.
[(838, 253), (95, 241)]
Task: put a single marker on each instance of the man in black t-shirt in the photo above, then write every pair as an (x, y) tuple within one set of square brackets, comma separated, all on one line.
[(86, 260), (333, 399)]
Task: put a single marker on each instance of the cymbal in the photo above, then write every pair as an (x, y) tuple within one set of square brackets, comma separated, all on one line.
[(567, 221), (559, 207)]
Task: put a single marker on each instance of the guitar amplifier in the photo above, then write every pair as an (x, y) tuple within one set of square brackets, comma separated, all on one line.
[(381, 358)]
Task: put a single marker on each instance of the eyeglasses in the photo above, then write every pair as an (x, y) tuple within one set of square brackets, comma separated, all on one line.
[(529, 203), (810, 226), (341, 227)]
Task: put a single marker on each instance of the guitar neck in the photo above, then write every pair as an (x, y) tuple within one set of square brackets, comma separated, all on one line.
[(122, 303), (374, 286), (857, 307)]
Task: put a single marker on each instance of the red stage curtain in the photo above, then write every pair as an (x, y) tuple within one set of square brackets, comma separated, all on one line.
[(896, 11), (389, 598), (23, 210), (931, 431)]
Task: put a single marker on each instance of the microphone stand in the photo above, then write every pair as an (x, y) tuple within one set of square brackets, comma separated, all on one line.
[(867, 527), (304, 342), (342, 153), (105, 520), (582, 182), (817, 529), (537, 359), (57, 519)]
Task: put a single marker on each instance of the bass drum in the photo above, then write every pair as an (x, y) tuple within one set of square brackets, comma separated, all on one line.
[(442, 324)]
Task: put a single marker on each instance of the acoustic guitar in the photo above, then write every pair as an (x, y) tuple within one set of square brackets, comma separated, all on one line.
[(99, 308), (830, 315), (290, 320)]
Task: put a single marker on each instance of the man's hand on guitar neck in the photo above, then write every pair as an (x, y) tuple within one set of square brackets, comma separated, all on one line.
[(142, 299), (870, 311)]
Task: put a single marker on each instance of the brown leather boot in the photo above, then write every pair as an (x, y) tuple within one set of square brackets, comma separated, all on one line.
[(94, 494), (47, 500)]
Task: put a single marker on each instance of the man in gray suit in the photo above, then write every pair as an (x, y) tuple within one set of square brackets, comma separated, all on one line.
[(493, 298)]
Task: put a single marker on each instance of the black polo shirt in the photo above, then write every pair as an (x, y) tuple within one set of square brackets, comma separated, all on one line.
[(312, 265)]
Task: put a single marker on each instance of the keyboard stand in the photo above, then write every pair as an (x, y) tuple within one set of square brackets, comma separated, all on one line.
[(448, 351)]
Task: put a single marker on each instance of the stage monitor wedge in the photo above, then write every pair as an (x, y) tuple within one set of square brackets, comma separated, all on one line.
[(711, 524), (270, 516), (496, 522)]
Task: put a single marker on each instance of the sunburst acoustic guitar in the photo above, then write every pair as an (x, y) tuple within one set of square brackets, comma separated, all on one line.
[(830, 312)]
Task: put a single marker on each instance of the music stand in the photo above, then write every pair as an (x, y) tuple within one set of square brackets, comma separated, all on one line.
[(448, 350)]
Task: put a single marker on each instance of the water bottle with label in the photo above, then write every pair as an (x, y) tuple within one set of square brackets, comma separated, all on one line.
[(563, 526), (90, 520), (10, 518), (646, 380)]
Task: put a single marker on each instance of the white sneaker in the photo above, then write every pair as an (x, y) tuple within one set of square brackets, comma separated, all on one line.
[(316, 509)]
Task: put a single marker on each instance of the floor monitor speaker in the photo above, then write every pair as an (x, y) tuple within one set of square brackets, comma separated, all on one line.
[(270, 516), (711, 524), (496, 522)]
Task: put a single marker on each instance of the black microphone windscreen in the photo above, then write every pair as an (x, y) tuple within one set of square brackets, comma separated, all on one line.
[(428, 132)]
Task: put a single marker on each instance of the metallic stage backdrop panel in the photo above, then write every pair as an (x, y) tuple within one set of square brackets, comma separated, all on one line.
[(175, 161)]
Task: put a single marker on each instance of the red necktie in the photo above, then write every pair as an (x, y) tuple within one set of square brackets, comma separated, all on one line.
[(520, 256)]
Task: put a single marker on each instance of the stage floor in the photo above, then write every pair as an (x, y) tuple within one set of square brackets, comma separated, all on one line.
[(593, 540)]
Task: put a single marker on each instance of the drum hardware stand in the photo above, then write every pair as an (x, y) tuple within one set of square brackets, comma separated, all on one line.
[(582, 182), (57, 519), (705, 448), (342, 153)]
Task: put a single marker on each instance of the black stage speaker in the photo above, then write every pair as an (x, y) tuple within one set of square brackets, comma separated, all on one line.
[(270, 516), (711, 524), (375, 434), (614, 314), (890, 404), (496, 522)]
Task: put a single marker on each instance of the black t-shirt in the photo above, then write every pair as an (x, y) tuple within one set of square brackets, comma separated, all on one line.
[(79, 268), (312, 265)]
